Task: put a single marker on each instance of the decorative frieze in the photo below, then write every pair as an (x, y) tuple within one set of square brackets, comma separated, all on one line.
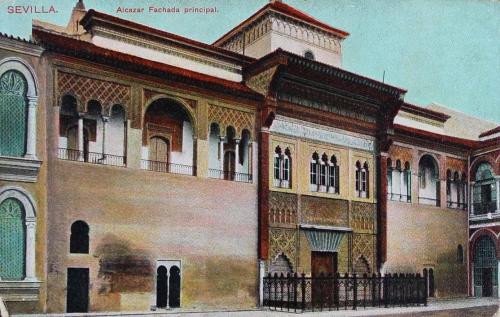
[(283, 241), (225, 117), (282, 208), (291, 127), (363, 217), (324, 211)]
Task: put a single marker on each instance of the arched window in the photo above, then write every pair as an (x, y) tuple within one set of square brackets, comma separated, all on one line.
[(79, 240), (314, 172), (282, 167), (361, 180), (12, 240), (13, 114), (460, 254), (390, 189), (333, 176), (429, 187), (485, 267), (407, 181), (485, 190)]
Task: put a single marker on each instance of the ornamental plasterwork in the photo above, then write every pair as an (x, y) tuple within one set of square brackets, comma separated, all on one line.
[(85, 89), (261, 82), (144, 43), (283, 241), (363, 217), (364, 246), (282, 208), (290, 127), (225, 117), (149, 94)]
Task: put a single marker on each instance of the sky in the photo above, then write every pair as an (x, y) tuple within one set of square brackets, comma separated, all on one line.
[(443, 51)]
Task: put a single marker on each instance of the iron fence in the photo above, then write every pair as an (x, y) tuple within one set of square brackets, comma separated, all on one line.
[(399, 197), (165, 167), (91, 157), (456, 205), (228, 175), (335, 292), (429, 201)]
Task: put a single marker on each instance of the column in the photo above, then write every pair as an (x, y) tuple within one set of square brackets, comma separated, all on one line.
[(31, 129), (382, 207), (262, 272), (498, 276), (105, 121), (498, 201), (237, 157), (471, 198), (401, 185), (30, 250), (221, 156), (80, 137)]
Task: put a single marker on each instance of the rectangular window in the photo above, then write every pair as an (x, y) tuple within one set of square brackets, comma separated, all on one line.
[(323, 174), (363, 181), (314, 174), (286, 169), (331, 176), (357, 180), (276, 167)]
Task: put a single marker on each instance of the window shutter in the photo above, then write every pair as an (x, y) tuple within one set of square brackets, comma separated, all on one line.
[(12, 243)]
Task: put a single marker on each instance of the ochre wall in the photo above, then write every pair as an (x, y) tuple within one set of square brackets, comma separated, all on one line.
[(141, 216), (420, 236)]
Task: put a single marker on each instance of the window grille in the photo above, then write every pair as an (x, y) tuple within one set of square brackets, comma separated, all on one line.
[(12, 114), (12, 240)]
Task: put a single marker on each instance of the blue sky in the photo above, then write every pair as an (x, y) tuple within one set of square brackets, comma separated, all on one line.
[(446, 51)]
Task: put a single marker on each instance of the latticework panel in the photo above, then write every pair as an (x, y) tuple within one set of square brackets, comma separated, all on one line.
[(12, 114), (283, 241), (225, 117), (85, 89), (364, 247), (363, 217), (282, 208), (11, 240)]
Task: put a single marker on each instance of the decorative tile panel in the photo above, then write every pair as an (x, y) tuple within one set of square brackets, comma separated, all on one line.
[(363, 217), (85, 89), (364, 246), (324, 211)]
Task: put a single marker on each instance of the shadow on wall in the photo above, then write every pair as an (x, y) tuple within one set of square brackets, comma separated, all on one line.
[(123, 269)]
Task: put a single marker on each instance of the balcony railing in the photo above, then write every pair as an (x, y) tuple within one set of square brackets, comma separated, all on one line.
[(399, 197), (91, 157), (429, 201), (228, 175), (166, 167), (483, 208)]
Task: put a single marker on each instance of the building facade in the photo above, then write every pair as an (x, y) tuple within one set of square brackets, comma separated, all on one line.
[(141, 170)]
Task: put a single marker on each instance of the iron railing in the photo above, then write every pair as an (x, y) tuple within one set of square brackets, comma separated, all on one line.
[(399, 197), (165, 167), (334, 292), (429, 201), (227, 175), (483, 208), (91, 157)]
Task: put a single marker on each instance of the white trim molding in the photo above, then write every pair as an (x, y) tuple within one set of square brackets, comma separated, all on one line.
[(19, 169)]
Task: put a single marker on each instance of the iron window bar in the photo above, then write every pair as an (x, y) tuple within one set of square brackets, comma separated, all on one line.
[(166, 167), (91, 157), (229, 175)]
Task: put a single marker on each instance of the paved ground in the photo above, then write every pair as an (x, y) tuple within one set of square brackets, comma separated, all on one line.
[(465, 307)]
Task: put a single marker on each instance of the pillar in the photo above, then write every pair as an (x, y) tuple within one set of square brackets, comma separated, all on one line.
[(30, 250), (382, 207), (221, 156), (471, 198), (236, 157), (401, 185), (80, 137), (262, 272), (31, 129), (105, 121)]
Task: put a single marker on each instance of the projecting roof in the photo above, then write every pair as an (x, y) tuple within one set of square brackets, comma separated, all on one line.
[(282, 8)]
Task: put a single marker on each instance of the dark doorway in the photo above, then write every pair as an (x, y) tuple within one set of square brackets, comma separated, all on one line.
[(431, 283), (161, 287), (487, 282), (229, 165), (323, 264), (77, 298), (175, 287)]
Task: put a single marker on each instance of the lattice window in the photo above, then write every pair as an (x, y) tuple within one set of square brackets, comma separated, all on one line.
[(12, 240), (12, 114)]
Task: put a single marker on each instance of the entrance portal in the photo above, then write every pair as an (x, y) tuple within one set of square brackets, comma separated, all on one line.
[(485, 267), (323, 264), (161, 287)]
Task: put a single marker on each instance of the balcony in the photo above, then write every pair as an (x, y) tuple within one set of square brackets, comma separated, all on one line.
[(164, 167), (228, 175), (429, 201), (399, 197), (91, 157), (456, 205)]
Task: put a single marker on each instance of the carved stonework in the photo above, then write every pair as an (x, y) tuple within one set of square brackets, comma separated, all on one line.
[(363, 217), (364, 247), (456, 165), (225, 117), (261, 82), (282, 208), (324, 211), (403, 154), (85, 89), (283, 241)]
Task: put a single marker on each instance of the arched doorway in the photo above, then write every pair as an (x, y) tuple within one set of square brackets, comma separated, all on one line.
[(158, 153), (174, 287), (161, 287), (229, 167), (485, 268)]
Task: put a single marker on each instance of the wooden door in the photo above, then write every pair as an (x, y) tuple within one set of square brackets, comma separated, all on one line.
[(77, 297), (323, 264), (158, 154), (229, 161)]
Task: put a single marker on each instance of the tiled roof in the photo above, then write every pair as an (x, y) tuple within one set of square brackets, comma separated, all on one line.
[(427, 113), (16, 38), (490, 132)]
